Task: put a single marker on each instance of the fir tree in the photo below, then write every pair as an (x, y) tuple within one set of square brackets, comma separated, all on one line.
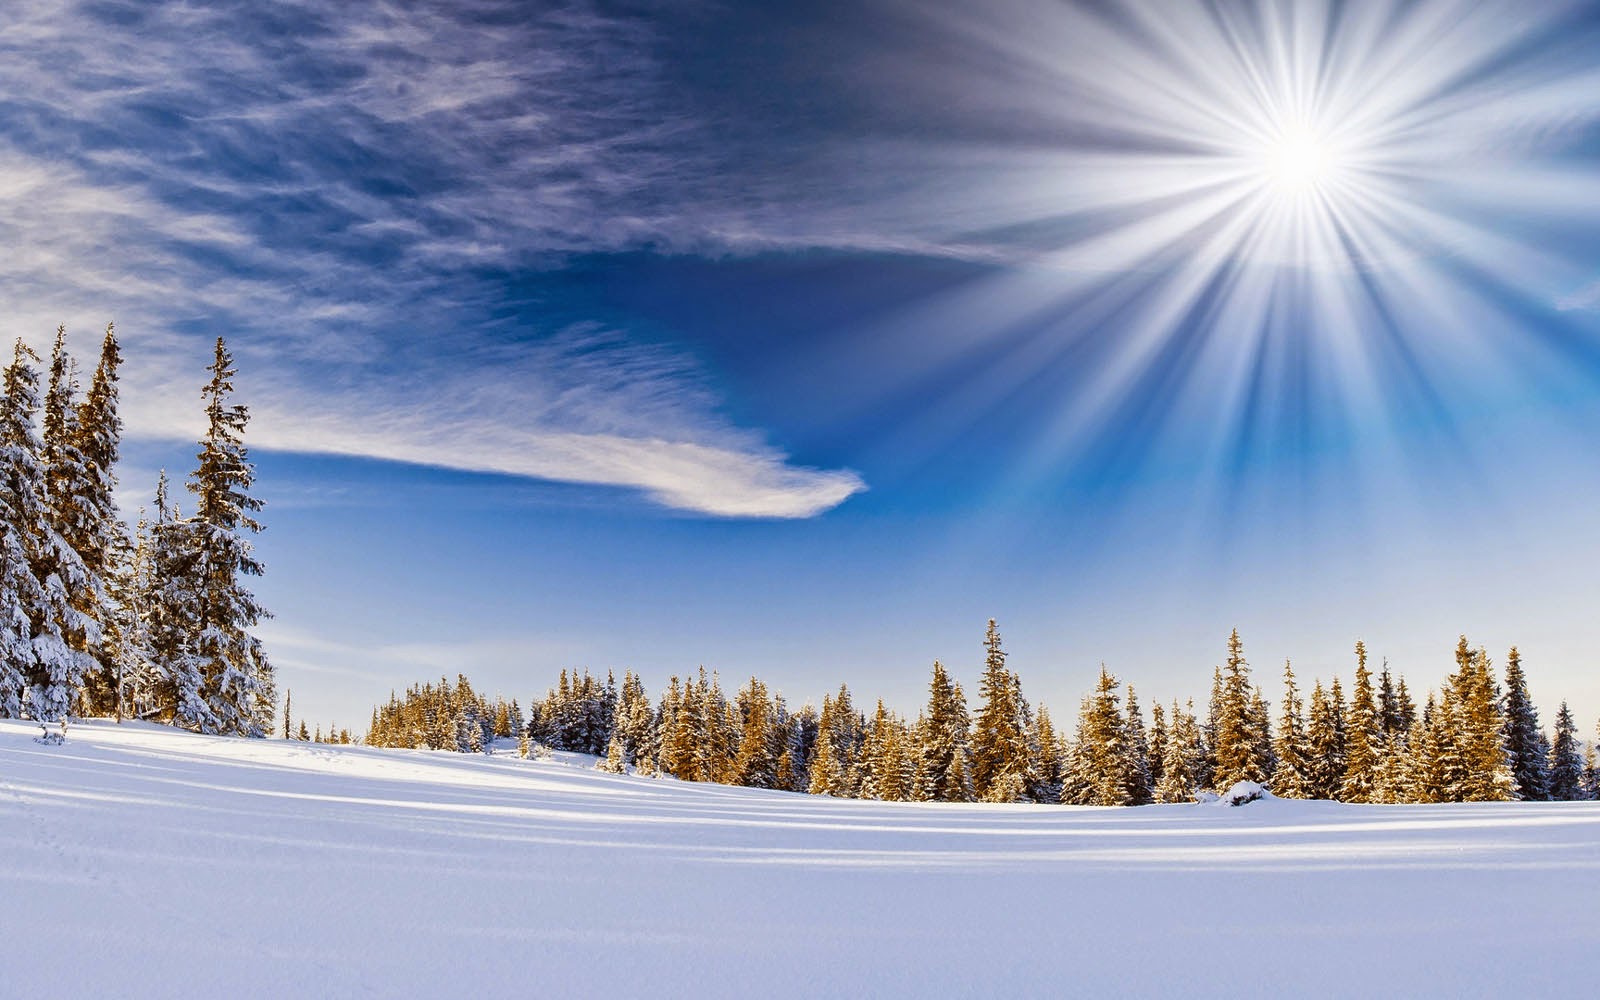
[(1292, 779), (1180, 765), (202, 561), (1529, 766), (998, 744), (1326, 746), (1140, 787), (1104, 761), (944, 775), (1238, 743), (1363, 736), (1566, 771), (39, 569)]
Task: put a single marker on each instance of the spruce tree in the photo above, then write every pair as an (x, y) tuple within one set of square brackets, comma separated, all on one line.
[(39, 569), (1363, 737), (1104, 759), (1239, 740), (998, 741), (1180, 766), (1326, 748), (1292, 778), (1140, 787), (1566, 771), (220, 676), (1529, 766), (944, 774)]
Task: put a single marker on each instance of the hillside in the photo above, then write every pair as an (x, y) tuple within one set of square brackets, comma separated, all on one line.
[(139, 861)]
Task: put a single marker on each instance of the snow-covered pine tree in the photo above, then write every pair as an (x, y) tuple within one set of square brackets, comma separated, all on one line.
[(1141, 789), (1529, 766), (1566, 762), (1180, 767), (944, 775), (1104, 761), (1326, 758), (1485, 774), (1291, 779), (754, 766), (1239, 741), (82, 444), (1158, 742), (42, 672), (1363, 738), (998, 736), (1049, 756), (201, 562)]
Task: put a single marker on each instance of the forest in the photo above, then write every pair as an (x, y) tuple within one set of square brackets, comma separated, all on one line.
[(98, 618), (1478, 738)]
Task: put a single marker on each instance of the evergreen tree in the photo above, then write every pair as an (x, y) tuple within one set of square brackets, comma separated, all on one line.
[(1180, 765), (998, 736), (1566, 777), (1141, 789), (1363, 738), (1239, 740), (1522, 734), (39, 569), (1050, 757), (201, 562), (1292, 779), (754, 765), (1158, 743), (944, 775), (1104, 761), (1326, 746)]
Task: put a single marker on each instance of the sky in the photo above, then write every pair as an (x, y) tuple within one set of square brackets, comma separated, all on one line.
[(799, 340)]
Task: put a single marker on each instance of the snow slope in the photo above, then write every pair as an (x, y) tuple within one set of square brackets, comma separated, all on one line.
[(136, 861)]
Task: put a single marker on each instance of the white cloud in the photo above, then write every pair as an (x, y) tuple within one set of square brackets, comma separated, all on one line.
[(319, 181)]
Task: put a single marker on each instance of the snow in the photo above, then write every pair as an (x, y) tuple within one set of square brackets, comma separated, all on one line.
[(138, 861)]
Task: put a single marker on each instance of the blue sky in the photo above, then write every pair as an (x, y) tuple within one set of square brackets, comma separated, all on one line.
[(802, 341)]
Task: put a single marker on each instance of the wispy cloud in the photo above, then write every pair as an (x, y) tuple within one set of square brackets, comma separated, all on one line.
[(341, 186)]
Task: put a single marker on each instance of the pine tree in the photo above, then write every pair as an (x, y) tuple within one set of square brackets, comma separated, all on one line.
[(81, 450), (998, 743), (1363, 736), (1522, 734), (1238, 746), (1326, 758), (1180, 765), (944, 774), (1158, 743), (754, 765), (1566, 777), (39, 570), (1104, 761), (1140, 787), (201, 560), (1049, 755), (1292, 778)]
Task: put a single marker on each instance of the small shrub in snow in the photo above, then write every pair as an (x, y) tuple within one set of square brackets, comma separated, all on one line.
[(1244, 791)]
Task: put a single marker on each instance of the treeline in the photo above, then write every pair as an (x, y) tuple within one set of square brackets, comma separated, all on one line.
[(100, 619), (1475, 739)]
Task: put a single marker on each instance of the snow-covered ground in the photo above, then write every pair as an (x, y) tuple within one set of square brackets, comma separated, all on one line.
[(136, 861)]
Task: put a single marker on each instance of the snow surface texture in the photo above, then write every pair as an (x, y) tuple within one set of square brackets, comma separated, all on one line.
[(138, 861)]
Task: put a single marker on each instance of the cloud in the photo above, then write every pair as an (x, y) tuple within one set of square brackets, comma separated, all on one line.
[(344, 190)]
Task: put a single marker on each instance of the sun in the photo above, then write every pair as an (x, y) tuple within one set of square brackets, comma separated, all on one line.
[(1298, 162)]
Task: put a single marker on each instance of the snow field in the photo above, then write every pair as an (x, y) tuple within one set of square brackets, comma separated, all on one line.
[(139, 861)]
